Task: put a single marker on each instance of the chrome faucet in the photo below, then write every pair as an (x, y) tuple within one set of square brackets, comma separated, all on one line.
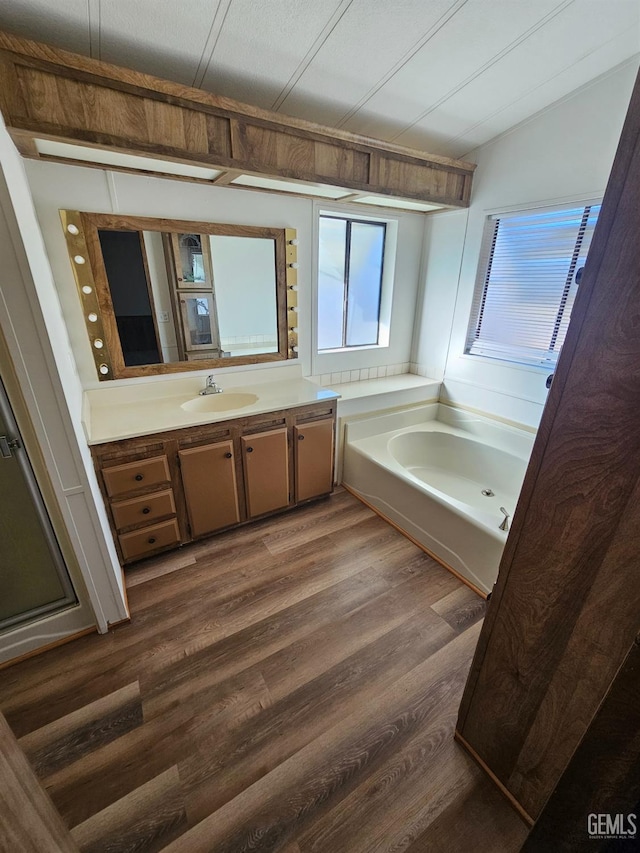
[(211, 387), (504, 525)]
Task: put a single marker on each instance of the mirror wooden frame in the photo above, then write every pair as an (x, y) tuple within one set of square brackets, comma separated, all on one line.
[(86, 258)]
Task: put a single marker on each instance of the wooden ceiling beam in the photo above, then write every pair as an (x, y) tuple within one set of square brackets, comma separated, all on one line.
[(57, 95)]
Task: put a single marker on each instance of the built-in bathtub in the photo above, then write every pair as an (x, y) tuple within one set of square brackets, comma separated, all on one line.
[(442, 475)]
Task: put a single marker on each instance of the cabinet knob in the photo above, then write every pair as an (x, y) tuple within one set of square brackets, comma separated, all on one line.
[(151, 540), (139, 477), (146, 510), (228, 455), (249, 449), (300, 437)]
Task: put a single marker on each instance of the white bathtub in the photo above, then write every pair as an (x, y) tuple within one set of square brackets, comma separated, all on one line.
[(441, 475)]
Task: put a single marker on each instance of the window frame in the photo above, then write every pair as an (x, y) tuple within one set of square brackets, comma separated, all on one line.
[(349, 358), (482, 282), (350, 220)]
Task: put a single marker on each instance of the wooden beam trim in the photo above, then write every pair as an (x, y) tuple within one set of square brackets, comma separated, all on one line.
[(235, 118), (101, 72)]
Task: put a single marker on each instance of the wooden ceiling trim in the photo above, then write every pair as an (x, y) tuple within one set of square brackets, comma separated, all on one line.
[(50, 93)]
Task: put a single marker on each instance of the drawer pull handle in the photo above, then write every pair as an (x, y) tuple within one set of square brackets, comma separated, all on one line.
[(151, 540), (249, 449), (139, 477), (146, 510), (301, 437), (228, 455)]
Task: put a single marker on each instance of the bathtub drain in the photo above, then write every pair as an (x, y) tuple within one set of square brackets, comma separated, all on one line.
[(488, 493)]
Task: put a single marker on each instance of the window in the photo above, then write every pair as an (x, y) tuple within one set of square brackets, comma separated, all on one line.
[(350, 274), (530, 267)]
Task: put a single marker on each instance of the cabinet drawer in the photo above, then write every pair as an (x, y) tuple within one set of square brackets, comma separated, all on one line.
[(136, 475), (147, 539), (145, 508)]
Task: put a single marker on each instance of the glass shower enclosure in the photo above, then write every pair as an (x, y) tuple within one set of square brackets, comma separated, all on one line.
[(34, 581)]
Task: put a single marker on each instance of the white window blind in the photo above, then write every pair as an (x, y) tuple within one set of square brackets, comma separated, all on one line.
[(527, 283)]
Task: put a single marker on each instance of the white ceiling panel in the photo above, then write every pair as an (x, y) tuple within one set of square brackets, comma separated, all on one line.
[(371, 40), (532, 102), (63, 23), (163, 38), (441, 75), (474, 38), (541, 61), (263, 44)]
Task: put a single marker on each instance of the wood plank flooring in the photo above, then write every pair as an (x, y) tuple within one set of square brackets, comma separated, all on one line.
[(290, 686)]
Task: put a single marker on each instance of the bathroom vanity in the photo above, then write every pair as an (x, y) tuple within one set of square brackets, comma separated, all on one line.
[(226, 468)]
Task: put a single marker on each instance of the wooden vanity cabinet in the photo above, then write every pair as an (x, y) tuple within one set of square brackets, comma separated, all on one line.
[(164, 490)]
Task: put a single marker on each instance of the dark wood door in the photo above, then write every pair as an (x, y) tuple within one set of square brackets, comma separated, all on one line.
[(565, 608), (603, 777), (30, 822)]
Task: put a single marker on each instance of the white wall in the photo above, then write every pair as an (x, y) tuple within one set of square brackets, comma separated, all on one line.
[(56, 186), (36, 336), (562, 154)]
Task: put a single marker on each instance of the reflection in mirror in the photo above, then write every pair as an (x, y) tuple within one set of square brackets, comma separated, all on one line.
[(174, 292), (131, 295), (191, 270), (247, 313), (198, 318)]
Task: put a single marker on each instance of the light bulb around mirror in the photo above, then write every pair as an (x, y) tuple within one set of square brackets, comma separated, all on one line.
[(294, 266), (98, 343), (86, 289), (92, 317), (293, 242), (104, 369), (73, 229), (79, 259)]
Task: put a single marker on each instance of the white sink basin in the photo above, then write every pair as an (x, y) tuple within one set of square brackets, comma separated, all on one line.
[(219, 402)]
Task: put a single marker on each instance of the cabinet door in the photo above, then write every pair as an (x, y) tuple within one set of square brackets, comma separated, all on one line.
[(266, 470), (314, 459), (210, 488)]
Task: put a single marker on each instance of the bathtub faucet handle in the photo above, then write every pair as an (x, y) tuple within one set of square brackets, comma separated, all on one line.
[(504, 525)]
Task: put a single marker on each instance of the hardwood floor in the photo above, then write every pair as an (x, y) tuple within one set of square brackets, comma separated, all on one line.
[(290, 686)]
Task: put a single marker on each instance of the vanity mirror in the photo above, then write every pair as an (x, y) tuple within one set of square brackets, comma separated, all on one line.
[(162, 296)]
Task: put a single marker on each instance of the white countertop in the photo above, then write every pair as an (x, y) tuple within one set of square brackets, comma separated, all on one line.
[(387, 385), (111, 414)]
